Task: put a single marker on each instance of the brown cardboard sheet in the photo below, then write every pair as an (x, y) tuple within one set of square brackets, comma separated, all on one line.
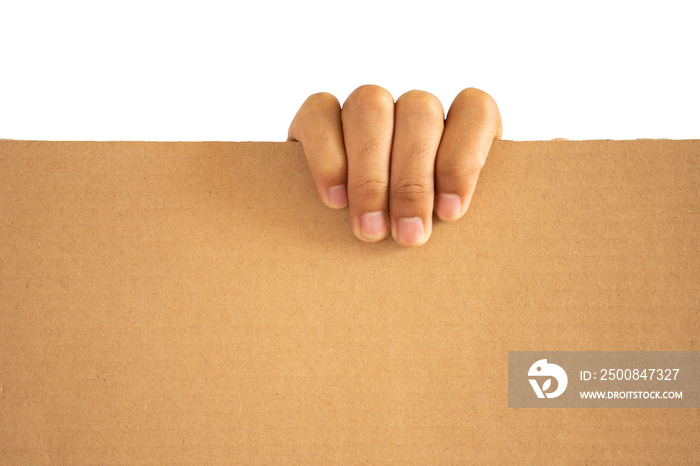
[(194, 302)]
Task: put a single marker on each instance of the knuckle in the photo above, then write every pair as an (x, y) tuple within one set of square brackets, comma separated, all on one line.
[(369, 149), (477, 100), (412, 189), (421, 102), (370, 96), (371, 187), (326, 171), (419, 149), (463, 171), (321, 102)]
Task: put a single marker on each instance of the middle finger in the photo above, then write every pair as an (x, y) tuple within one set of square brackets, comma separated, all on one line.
[(419, 123), (368, 123)]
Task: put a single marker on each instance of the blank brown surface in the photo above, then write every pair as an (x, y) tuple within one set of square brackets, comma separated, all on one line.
[(196, 303)]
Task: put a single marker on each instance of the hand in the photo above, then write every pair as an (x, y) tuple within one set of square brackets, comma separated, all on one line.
[(394, 162)]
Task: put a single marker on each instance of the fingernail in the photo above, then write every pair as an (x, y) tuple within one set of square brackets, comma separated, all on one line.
[(410, 230), (338, 195), (449, 206), (373, 225)]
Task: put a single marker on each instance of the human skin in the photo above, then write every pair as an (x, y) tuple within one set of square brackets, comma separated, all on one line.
[(395, 163)]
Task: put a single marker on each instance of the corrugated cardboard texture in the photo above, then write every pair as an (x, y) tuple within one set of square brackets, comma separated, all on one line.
[(195, 302)]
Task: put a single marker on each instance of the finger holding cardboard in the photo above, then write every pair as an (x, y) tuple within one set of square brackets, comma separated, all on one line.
[(472, 123), (368, 127), (318, 127), (418, 127)]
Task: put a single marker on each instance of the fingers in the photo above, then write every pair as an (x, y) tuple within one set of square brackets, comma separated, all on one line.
[(368, 123), (318, 127), (393, 163), (472, 123), (418, 127)]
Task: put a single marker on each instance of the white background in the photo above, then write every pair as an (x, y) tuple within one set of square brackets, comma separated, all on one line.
[(238, 71)]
